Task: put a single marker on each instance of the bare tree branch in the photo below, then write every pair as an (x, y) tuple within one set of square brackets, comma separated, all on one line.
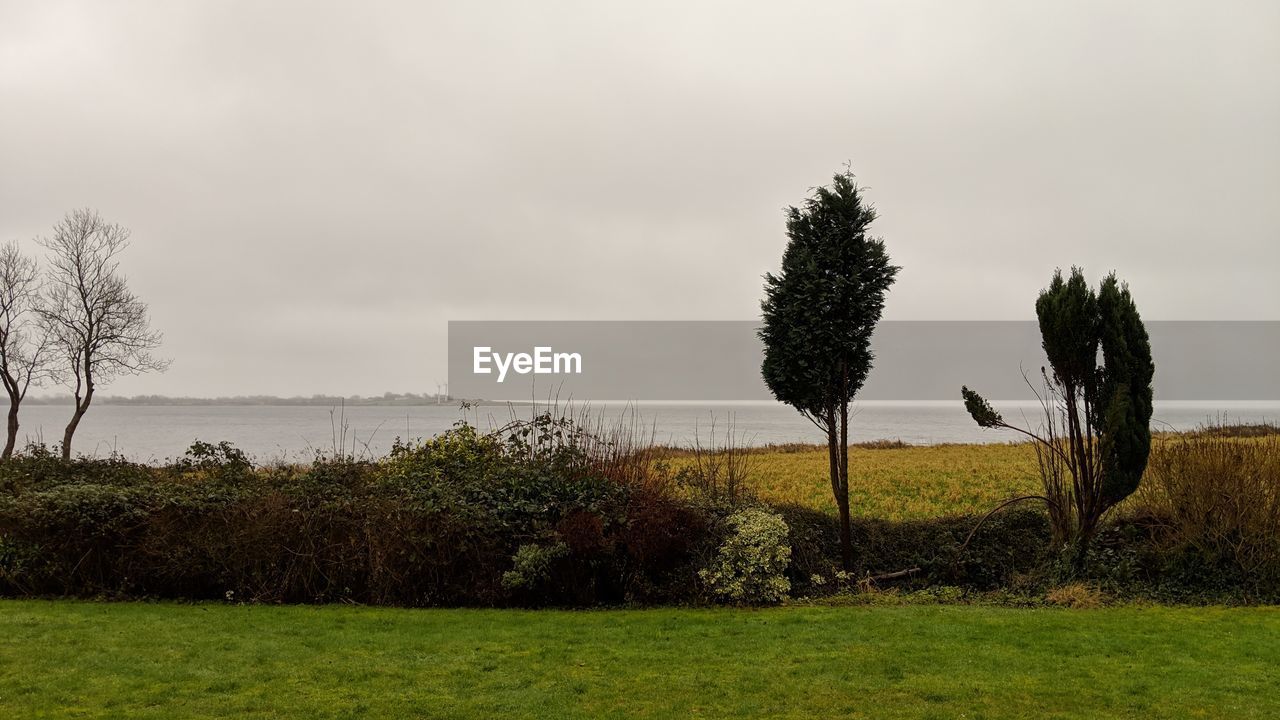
[(24, 344), (99, 329)]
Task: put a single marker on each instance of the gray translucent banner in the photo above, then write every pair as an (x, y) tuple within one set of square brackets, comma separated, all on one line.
[(716, 361)]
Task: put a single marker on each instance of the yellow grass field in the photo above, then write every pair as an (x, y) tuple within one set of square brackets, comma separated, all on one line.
[(900, 483), (904, 482)]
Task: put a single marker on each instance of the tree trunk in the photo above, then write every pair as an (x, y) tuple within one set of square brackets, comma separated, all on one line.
[(1085, 533), (13, 429), (846, 523), (1080, 555), (846, 535), (840, 492), (82, 406)]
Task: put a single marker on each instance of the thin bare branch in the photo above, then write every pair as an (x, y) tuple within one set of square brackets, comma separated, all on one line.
[(98, 328)]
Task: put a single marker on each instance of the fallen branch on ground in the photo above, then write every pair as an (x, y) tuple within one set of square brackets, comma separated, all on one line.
[(869, 582)]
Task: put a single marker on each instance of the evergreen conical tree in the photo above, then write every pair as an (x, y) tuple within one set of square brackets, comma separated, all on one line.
[(819, 313), (1099, 430)]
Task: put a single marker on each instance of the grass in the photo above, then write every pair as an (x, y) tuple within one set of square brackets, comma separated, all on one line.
[(912, 482), (895, 482), (76, 659)]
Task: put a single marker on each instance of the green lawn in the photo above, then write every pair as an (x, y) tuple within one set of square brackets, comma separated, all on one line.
[(76, 659)]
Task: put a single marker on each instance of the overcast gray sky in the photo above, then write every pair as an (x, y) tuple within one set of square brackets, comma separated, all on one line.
[(316, 189)]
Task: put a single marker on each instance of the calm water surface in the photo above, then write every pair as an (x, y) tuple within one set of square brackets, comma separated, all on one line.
[(154, 433)]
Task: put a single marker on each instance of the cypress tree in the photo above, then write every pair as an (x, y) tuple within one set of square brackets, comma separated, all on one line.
[(819, 313), (1098, 431)]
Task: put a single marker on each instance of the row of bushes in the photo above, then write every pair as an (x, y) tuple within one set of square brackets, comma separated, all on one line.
[(543, 512), (433, 524)]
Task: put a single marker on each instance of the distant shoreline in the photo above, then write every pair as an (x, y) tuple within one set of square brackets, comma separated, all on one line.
[(422, 401), (265, 401)]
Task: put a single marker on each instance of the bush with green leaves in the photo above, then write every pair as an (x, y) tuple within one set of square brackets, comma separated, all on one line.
[(466, 519), (533, 566), (750, 567), (437, 522)]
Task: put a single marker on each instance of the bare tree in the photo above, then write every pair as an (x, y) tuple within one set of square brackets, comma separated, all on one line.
[(24, 345), (98, 326)]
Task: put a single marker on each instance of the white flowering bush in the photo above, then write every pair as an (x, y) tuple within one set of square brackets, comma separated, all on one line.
[(750, 566)]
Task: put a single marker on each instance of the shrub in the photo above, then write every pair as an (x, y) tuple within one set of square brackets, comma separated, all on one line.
[(583, 532), (435, 523), (751, 564), (1215, 495), (38, 467), (1095, 441), (222, 457), (533, 565), (1013, 543), (664, 538), (473, 519)]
